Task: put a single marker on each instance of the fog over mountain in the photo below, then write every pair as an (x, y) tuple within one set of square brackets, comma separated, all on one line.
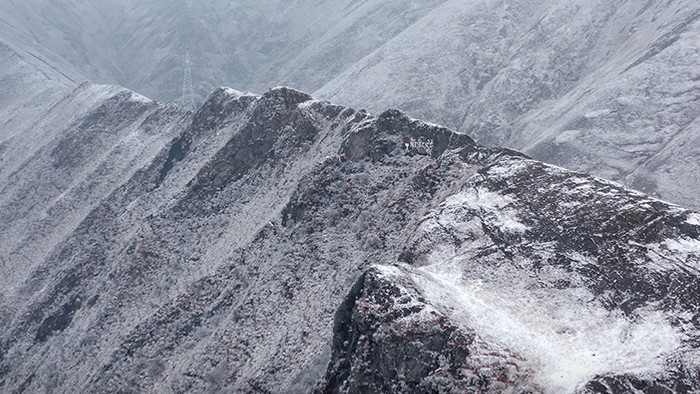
[(283, 241), (609, 88), (251, 45)]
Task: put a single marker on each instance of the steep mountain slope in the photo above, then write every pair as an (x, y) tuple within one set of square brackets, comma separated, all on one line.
[(27, 90), (63, 148), (251, 44), (218, 260), (54, 172), (528, 279), (609, 88)]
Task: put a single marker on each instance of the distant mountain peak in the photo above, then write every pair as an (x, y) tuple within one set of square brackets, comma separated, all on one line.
[(277, 242)]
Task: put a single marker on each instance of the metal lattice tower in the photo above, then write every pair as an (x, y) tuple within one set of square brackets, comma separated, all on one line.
[(187, 99)]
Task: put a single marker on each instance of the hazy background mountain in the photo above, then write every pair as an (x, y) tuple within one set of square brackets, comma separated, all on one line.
[(244, 44), (609, 88)]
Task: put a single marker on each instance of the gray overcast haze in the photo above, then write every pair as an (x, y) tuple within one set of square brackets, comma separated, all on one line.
[(448, 196), (609, 88)]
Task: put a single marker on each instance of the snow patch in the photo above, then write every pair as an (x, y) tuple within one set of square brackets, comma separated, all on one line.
[(672, 254), (140, 98), (494, 207), (236, 94), (564, 338), (693, 218), (308, 104), (508, 168), (388, 270)]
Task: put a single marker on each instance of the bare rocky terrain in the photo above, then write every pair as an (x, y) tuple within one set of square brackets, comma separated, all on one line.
[(277, 243), (606, 88)]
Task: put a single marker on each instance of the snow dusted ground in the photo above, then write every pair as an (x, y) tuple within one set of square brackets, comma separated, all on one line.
[(63, 148), (150, 249), (479, 264), (562, 339), (210, 252), (605, 88), (608, 88)]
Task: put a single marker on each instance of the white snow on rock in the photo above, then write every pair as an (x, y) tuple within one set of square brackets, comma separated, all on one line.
[(236, 94), (540, 315), (563, 337), (676, 253), (694, 219), (140, 98), (608, 88), (497, 207)]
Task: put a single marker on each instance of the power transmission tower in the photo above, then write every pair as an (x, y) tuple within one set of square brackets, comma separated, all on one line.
[(187, 99)]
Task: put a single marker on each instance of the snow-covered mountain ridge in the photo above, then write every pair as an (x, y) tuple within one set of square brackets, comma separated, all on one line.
[(277, 243), (607, 88)]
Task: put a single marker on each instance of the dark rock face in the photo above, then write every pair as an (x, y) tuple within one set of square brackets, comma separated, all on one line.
[(217, 261), (388, 339), (677, 382), (510, 226)]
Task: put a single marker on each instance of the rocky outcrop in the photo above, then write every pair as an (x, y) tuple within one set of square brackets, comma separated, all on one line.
[(569, 283), (278, 243), (389, 339), (607, 88)]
